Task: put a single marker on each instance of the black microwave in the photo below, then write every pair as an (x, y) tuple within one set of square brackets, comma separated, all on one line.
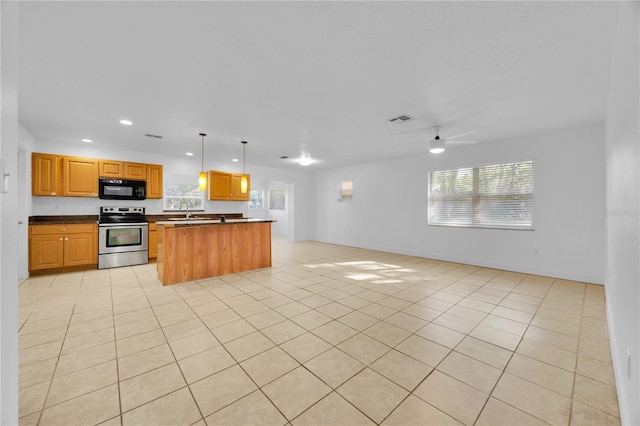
[(120, 189)]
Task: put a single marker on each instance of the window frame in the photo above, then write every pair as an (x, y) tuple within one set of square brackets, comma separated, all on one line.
[(261, 199), (272, 199), (476, 198), (181, 180)]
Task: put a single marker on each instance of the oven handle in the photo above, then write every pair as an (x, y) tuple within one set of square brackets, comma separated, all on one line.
[(123, 224)]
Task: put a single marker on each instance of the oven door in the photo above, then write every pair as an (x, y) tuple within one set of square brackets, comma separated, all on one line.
[(122, 238)]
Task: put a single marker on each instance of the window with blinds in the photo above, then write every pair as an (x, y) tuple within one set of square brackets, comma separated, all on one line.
[(493, 196)]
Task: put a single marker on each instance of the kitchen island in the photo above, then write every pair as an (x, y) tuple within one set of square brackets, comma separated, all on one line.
[(195, 249)]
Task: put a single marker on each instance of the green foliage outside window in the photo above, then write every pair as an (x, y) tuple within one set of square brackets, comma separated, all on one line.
[(175, 197)]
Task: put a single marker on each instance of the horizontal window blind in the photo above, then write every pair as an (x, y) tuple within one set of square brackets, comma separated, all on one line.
[(495, 196)]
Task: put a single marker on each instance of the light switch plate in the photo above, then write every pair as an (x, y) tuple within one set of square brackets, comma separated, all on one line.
[(4, 188)]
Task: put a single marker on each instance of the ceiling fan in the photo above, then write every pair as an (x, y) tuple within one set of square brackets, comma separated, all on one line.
[(437, 145)]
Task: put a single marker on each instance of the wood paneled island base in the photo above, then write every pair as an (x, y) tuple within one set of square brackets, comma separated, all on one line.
[(194, 250)]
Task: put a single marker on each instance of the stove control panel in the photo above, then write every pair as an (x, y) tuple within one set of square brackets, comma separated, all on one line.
[(121, 210)]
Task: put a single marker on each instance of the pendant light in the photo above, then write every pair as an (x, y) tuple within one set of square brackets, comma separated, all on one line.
[(202, 178), (244, 182)]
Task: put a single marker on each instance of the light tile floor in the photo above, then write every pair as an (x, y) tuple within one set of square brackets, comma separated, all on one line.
[(329, 335)]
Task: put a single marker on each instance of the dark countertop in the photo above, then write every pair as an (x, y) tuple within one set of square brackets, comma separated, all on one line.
[(61, 220), (162, 217), (77, 219), (201, 221)]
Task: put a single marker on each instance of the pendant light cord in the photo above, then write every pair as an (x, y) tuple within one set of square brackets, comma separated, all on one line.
[(244, 157), (202, 154)]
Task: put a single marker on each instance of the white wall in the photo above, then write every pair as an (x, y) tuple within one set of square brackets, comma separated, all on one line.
[(9, 216), (281, 226), (300, 214), (389, 208), (622, 282), (26, 143)]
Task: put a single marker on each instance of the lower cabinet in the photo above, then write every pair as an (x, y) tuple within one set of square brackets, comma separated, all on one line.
[(62, 246), (153, 240)]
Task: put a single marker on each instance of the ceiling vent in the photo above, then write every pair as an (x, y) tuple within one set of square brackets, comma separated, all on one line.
[(149, 135), (401, 119)]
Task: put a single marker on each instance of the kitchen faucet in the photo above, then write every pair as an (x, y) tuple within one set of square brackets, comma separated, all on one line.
[(186, 204)]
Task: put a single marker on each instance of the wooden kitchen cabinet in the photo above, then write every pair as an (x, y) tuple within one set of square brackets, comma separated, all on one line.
[(154, 181), (45, 178), (236, 191), (62, 246), (135, 171), (153, 240), (218, 185), (58, 175), (122, 170), (79, 177), (223, 186), (111, 169)]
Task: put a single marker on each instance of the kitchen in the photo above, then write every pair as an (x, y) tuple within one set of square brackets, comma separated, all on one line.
[(127, 236)]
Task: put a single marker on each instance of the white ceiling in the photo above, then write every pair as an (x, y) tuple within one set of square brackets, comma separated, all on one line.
[(314, 77)]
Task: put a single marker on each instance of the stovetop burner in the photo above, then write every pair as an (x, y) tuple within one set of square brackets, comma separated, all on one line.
[(122, 215)]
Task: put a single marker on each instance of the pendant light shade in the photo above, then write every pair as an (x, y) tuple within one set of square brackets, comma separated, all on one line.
[(202, 178), (244, 182)]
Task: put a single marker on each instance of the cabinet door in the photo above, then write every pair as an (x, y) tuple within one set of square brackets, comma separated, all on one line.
[(79, 177), (153, 241), (110, 169), (135, 171), (46, 251), (79, 248), (154, 181), (219, 185), (236, 193), (44, 174)]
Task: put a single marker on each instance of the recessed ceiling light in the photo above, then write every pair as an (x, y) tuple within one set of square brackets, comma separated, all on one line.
[(87, 140), (126, 122), (190, 154), (235, 160)]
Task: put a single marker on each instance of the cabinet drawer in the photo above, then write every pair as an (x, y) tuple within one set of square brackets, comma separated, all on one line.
[(62, 229), (153, 226)]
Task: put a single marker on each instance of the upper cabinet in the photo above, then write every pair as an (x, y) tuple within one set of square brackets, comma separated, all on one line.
[(154, 181), (218, 185), (111, 169), (79, 177), (44, 169), (135, 171), (58, 175), (223, 186), (236, 189), (123, 170)]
